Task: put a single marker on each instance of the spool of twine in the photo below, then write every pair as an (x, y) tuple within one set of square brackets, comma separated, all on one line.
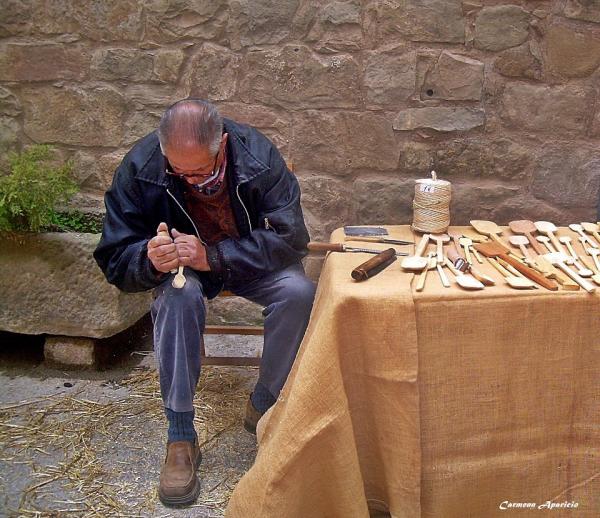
[(431, 205)]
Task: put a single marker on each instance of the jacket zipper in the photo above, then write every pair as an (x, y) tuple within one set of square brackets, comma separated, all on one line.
[(237, 191), (188, 216), (268, 225)]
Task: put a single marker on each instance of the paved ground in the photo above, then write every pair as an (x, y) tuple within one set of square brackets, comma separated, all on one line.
[(91, 443)]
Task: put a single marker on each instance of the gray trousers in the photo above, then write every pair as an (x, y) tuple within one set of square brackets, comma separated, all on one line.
[(179, 317)]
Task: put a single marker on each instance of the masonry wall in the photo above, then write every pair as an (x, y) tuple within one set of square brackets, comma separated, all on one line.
[(501, 98)]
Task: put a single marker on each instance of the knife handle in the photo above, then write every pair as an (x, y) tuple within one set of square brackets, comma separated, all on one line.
[(374, 265), (317, 247)]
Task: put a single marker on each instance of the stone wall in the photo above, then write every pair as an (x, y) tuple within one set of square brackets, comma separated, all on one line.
[(501, 98)]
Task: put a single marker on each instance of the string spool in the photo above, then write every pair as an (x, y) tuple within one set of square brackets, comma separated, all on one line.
[(431, 205)]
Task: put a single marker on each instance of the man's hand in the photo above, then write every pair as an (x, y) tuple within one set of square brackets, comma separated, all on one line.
[(191, 252), (162, 252)]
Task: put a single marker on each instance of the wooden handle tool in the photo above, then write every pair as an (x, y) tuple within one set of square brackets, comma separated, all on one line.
[(494, 250), (179, 279), (374, 265)]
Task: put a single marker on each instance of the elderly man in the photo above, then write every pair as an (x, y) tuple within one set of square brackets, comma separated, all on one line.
[(215, 197)]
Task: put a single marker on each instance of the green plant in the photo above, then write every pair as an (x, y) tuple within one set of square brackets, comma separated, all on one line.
[(33, 188), (75, 221)]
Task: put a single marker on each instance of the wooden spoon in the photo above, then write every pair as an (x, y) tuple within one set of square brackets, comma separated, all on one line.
[(594, 252), (592, 228), (558, 259), (581, 269), (463, 280), (522, 242), (494, 250), (548, 228), (549, 271), (417, 262), (513, 281), (466, 243), (546, 241), (178, 281), (460, 263), (431, 262), (440, 239), (490, 229), (576, 227), (527, 228)]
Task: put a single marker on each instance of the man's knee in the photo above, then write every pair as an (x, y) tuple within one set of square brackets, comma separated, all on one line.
[(299, 291), (190, 296)]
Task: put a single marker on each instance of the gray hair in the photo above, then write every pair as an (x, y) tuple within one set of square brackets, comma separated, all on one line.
[(191, 122)]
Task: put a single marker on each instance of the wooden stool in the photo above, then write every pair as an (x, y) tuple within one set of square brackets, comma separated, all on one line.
[(230, 330)]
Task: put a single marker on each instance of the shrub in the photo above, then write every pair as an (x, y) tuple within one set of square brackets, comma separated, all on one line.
[(32, 189)]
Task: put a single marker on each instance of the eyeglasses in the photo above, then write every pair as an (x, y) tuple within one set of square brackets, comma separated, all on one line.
[(184, 176)]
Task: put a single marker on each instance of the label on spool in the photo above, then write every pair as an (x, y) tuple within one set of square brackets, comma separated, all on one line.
[(427, 187)]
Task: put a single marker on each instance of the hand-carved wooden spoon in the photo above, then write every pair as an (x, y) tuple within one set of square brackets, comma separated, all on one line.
[(548, 228), (592, 228), (527, 228), (494, 250), (417, 261), (522, 242), (594, 252), (179, 279), (463, 280), (581, 269), (576, 227), (558, 259), (514, 281), (440, 239), (549, 271), (490, 229)]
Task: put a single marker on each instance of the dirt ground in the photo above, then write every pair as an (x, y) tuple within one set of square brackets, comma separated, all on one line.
[(91, 443)]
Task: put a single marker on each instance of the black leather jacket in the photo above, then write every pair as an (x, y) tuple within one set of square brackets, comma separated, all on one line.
[(265, 199)]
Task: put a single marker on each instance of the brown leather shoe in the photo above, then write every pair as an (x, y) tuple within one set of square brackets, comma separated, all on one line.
[(251, 418), (179, 484)]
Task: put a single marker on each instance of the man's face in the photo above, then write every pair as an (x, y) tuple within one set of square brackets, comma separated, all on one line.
[(195, 164)]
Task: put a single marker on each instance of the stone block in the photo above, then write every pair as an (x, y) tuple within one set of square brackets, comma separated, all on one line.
[(106, 21), (479, 201), (337, 27), (483, 158), (9, 137), (171, 21), (389, 76), (139, 123), (94, 171), (383, 201), (572, 52), (74, 115), (16, 18), (586, 10), (213, 73), (568, 175), (50, 284), (344, 141), (545, 109), (258, 22), (275, 124), (136, 65), (295, 77), (440, 118), (414, 20), (9, 103), (35, 62), (324, 204), (501, 27), (234, 311), (453, 77), (520, 62), (70, 351)]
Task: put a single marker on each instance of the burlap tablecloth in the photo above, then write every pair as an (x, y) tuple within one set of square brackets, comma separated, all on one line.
[(443, 403)]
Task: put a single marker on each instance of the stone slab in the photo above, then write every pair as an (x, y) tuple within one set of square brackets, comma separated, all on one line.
[(50, 284)]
